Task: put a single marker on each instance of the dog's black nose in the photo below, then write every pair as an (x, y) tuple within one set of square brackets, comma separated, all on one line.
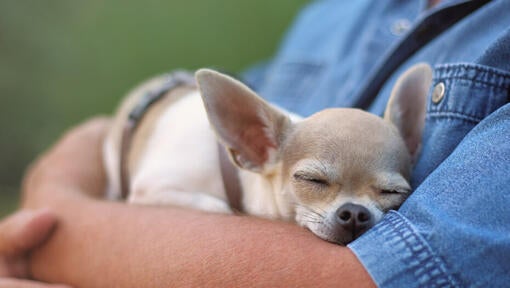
[(354, 218)]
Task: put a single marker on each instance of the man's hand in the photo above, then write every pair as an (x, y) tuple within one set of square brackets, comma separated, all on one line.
[(26, 230), (19, 234)]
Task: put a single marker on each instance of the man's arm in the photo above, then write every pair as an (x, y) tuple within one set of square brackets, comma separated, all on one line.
[(104, 244)]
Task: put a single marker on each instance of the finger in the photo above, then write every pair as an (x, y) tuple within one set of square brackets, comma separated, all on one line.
[(17, 283), (24, 231)]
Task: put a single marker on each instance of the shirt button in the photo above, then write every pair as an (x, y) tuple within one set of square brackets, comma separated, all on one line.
[(438, 93), (400, 27)]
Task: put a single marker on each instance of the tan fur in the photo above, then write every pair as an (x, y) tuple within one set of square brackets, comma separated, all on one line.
[(343, 156)]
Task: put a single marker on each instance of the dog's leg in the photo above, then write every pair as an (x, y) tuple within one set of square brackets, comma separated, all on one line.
[(194, 200)]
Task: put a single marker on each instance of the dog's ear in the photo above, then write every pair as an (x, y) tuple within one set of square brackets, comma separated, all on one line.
[(407, 105), (248, 126)]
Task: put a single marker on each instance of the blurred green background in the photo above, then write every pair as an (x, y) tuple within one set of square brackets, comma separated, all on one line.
[(62, 61)]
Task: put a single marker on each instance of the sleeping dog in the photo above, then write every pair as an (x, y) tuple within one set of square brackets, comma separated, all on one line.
[(336, 172)]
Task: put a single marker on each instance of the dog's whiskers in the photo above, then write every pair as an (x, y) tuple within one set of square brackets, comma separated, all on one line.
[(318, 214), (311, 215)]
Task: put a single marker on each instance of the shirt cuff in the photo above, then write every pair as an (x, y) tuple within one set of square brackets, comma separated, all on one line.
[(396, 255)]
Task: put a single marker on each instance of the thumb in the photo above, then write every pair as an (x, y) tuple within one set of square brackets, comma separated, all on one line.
[(25, 230)]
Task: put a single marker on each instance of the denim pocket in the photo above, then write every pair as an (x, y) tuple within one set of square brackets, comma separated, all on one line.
[(460, 97), (292, 82)]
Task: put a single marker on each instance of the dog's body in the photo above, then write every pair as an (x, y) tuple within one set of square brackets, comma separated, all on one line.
[(336, 172), (180, 123)]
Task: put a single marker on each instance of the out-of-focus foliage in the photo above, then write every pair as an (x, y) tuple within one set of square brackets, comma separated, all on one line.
[(62, 61)]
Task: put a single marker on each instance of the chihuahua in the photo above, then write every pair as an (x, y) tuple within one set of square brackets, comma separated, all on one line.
[(336, 172)]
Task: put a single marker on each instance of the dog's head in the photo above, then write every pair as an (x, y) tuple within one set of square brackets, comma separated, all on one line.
[(340, 169)]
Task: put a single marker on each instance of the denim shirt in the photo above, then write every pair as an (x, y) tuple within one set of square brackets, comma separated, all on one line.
[(454, 230)]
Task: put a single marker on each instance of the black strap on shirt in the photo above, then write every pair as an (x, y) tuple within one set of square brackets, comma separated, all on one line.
[(429, 27)]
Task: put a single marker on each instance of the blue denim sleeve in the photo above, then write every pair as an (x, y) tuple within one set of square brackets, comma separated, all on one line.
[(255, 75), (454, 230)]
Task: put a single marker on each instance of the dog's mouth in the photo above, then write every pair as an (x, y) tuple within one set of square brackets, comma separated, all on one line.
[(335, 234), (332, 229)]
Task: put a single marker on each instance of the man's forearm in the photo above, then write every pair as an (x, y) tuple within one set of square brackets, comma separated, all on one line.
[(109, 245), (105, 244)]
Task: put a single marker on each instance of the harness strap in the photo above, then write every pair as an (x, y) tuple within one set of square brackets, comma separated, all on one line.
[(429, 27), (231, 182), (175, 79)]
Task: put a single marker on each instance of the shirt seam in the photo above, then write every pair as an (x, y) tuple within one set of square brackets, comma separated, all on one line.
[(488, 84), (448, 67), (406, 227), (454, 115)]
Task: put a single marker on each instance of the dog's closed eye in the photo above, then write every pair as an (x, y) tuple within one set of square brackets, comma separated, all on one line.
[(310, 178), (389, 184)]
